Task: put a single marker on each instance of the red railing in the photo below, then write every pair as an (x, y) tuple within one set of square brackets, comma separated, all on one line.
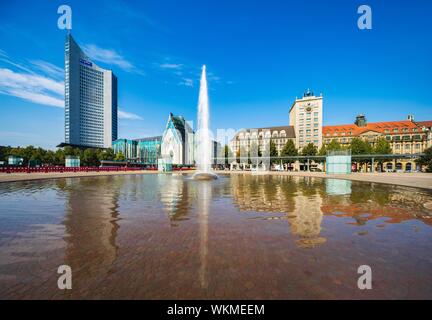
[(61, 169)]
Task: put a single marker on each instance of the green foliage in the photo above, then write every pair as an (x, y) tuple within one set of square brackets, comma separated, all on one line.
[(309, 150), (334, 145), (289, 150), (359, 146), (273, 151), (382, 146), (426, 159), (90, 156), (323, 150), (226, 153), (120, 157)]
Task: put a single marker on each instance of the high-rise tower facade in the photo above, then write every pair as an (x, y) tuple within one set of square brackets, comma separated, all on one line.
[(90, 100), (306, 117)]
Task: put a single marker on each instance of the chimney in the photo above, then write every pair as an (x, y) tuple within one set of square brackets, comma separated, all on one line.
[(411, 117)]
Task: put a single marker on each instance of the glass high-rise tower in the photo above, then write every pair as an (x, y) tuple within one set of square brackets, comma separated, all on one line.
[(90, 100)]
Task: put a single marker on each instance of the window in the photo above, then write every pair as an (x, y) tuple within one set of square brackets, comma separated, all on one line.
[(395, 130)]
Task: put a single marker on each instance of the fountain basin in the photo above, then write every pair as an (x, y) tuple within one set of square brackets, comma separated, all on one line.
[(204, 176)]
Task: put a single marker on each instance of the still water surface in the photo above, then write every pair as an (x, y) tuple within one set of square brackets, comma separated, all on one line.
[(239, 237)]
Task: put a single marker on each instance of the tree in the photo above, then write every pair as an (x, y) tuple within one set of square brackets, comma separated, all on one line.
[(323, 150), (107, 154), (59, 157), (226, 153), (289, 150), (426, 159), (90, 158), (49, 157), (120, 156), (273, 151), (359, 147), (309, 150), (334, 145), (382, 146)]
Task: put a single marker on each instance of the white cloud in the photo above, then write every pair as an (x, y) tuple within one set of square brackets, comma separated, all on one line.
[(32, 87), (187, 82), (128, 115), (110, 57), (48, 68), (174, 66), (42, 89)]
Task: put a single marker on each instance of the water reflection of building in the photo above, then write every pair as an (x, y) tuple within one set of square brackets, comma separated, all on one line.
[(372, 201), (176, 197), (297, 197), (91, 227)]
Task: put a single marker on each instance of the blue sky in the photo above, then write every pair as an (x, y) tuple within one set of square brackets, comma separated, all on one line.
[(260, 55)]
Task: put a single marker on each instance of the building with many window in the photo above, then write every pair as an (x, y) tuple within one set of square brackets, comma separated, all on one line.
[(244, 140), (305, 119), (143, 151), (306, 116), (406, 138), (90, 100)]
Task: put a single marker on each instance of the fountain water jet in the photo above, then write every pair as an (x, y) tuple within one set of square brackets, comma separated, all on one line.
[(204, 143)]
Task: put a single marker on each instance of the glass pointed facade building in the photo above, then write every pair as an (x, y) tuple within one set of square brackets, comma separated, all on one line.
[(90, 100)]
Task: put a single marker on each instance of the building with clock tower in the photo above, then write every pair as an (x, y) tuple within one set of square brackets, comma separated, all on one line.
[(306, 117)]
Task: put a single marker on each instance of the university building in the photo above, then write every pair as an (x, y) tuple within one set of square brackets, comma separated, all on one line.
[(178, 141), (90, 100), (305, 126), (406, 137), (176, 145)]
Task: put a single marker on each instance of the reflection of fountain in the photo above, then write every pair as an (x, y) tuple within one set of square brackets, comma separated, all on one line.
[(204, 143), (204, 196)]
